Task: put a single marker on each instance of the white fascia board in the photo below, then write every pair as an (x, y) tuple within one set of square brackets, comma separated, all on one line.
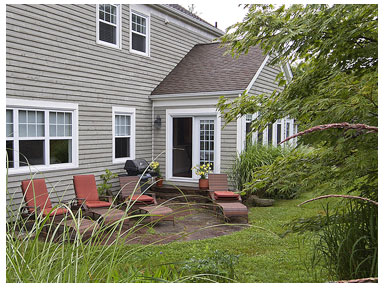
[(257, 74), (188, 99), (189, 18)]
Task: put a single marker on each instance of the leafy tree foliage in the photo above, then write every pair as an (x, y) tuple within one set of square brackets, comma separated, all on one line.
[(336, 80)]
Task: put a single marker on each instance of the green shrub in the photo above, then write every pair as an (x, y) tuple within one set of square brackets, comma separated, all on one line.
[(217, 267), (249, 161)]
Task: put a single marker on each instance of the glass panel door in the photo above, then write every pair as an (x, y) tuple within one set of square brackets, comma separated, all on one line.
[(182, 147)]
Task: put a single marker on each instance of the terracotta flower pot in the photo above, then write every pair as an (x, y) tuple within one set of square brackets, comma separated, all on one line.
[(203, 184), (159, 182)]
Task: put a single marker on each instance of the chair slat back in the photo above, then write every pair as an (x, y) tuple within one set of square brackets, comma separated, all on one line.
[(36, 194), (218, 182), (85, 187), (129, 184)]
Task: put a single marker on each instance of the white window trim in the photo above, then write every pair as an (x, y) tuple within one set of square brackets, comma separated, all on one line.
[(128, 111), (241, 133), (147, 16), (21, 104), (118, 45), (196, 112)]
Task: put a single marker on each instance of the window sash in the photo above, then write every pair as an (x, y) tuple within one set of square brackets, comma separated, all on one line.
[(20, 141), (123, 125), (108, 36), (139, 29)]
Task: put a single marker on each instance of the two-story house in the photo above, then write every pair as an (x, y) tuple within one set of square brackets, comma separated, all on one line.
[(90, 86)]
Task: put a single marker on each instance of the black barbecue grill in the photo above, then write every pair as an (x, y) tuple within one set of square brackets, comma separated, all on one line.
[(136, 167)]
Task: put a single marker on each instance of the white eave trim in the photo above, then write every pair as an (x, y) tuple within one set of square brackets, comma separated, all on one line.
[(257, 74), (189, 18), (195, 95)]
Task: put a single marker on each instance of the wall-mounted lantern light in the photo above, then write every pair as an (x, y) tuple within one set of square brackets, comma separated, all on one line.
[(158, 122)]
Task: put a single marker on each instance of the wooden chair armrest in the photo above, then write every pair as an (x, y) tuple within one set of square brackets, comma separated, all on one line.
[(76, 205)]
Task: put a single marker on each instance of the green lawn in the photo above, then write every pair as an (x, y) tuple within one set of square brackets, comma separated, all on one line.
[(263, 256)]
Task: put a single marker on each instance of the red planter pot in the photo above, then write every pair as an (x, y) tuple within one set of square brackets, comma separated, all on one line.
[(203, 184), (159, 182)]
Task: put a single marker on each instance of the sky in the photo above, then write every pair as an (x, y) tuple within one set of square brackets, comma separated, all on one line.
[(224, 13)]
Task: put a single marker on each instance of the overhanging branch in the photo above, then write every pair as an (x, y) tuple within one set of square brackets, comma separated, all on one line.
[(343, 125)]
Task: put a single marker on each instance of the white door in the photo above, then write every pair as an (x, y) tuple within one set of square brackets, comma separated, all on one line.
[(204, 149)]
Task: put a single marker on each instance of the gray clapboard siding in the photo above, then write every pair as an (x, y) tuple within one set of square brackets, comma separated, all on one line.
[(266, 83), (52, 55)]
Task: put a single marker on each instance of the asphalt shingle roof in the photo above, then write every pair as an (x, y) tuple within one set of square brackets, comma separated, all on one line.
[(206, 69)]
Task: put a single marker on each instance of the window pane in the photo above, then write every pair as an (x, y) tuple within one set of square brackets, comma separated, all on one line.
[(270, 134), (107, 33), (9, 116), (122, 147), (60, 118), (60, 151), (31, 130), (9, 147), (40, 130), (60, 130), (31, 117), (33, 150), (138, 42), (68, 130), (287, 129), (52, 117), (52, 130), (68, 118), (9, 123), (22, 116), (40, 117), (278, 133), (23, 130)]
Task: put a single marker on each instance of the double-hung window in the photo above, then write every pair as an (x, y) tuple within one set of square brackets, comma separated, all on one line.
[(40, 135), (139, 33), (123, 134), (108, 25)]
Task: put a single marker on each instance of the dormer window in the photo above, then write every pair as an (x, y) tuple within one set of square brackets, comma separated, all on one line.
[(139, 33), (108, 25)]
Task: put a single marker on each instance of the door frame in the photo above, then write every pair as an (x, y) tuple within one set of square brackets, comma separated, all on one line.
[(195, 112)]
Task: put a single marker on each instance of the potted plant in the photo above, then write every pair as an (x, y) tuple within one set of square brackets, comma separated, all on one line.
[(202, 171), (104, 188), (156, 167)]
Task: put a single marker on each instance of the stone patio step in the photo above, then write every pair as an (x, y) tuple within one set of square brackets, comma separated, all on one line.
[(181, 193)]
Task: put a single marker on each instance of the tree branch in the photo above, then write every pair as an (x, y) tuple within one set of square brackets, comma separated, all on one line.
[(343, 125)]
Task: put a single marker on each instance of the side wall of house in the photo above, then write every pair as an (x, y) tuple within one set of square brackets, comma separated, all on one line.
[(52, 55)]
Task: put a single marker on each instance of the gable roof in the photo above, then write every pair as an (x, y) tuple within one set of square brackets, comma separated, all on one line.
[(206, 69)]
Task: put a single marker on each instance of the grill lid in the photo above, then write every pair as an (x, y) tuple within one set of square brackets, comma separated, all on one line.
[(136, 166)]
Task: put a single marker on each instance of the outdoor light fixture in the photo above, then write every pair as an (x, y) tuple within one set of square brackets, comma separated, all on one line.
[(158, 122)]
